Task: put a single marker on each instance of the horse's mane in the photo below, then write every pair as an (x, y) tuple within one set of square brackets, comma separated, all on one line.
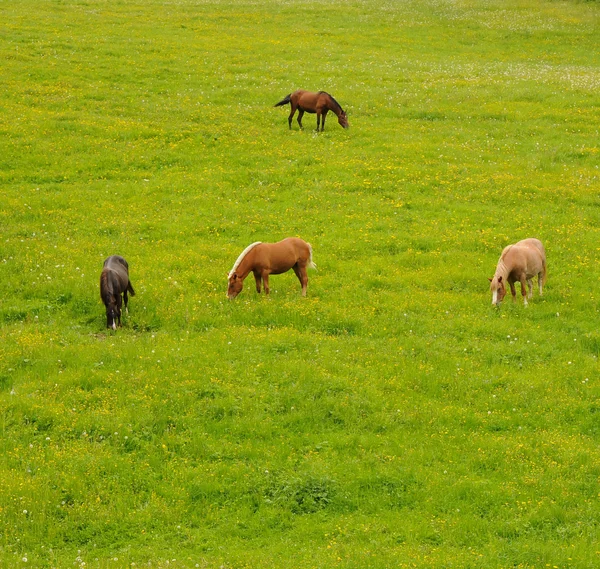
[(326, 93), (501, 268), (242, 255), (505, 250)]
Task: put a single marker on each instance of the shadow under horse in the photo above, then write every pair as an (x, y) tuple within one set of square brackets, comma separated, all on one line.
[(308, 102), (114, 282)]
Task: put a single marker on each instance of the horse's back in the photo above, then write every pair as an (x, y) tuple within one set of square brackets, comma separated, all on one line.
[(528, 255), (114, 261), (284, 254), (118, 266), (533, 243), (295, 244), (299, 93), (306, 100), (532, 248)]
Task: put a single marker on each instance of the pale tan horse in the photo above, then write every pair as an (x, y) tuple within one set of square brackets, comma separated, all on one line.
[(308, 102), (519, 263), (264, 259)]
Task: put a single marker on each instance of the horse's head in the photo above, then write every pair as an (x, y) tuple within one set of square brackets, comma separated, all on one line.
[(112, 314), (235, 285), (343, 119), (498, 290)]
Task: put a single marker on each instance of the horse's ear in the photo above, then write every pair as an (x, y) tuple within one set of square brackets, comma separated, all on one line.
[(490, 279)]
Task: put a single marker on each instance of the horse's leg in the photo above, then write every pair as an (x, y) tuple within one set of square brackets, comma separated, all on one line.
[(302, 277), (299, 119), (323, 119), (292, 112), (318, 119), (523, 282), (530, 288), (513, 291), (265, 279), (119, 305), (541, 280), (257, 279)]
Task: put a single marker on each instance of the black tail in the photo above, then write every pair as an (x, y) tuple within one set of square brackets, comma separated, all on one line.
[(284, 101), (130, 289)]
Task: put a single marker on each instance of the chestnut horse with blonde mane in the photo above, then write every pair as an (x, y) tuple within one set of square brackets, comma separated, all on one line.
[(519, 263), (114, 281), (264, 259), (308, 102)]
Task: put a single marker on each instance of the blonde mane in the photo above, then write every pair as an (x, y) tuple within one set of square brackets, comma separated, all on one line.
[(242, 255), (501, 269)]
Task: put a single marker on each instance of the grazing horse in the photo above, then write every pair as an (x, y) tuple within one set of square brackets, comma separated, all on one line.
[(264, 259), (114, 281), (519, 262), (320, 103)]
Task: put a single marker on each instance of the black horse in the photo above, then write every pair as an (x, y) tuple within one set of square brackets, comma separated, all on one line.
[(114, 281)]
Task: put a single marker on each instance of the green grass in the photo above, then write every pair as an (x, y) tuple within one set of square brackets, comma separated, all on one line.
[(390, 419)]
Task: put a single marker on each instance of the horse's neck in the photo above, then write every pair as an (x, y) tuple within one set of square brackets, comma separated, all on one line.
[(107, 294), (333, 105), (501, 269), (110, 284), (246, 264)]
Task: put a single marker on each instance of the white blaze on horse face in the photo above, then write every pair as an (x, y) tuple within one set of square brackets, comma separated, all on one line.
[(495, 297), (114, 325)]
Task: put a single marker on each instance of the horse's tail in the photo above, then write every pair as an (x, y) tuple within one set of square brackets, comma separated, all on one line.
[(311, 263), (284, 101), (545, 273), (130, 289)]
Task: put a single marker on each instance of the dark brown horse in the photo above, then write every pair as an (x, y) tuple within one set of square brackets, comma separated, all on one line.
[(519, 263), (114, 281), (320, 103), (264, 259)]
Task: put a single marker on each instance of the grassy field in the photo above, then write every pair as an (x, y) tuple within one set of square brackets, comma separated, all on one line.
[(392, 418)]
